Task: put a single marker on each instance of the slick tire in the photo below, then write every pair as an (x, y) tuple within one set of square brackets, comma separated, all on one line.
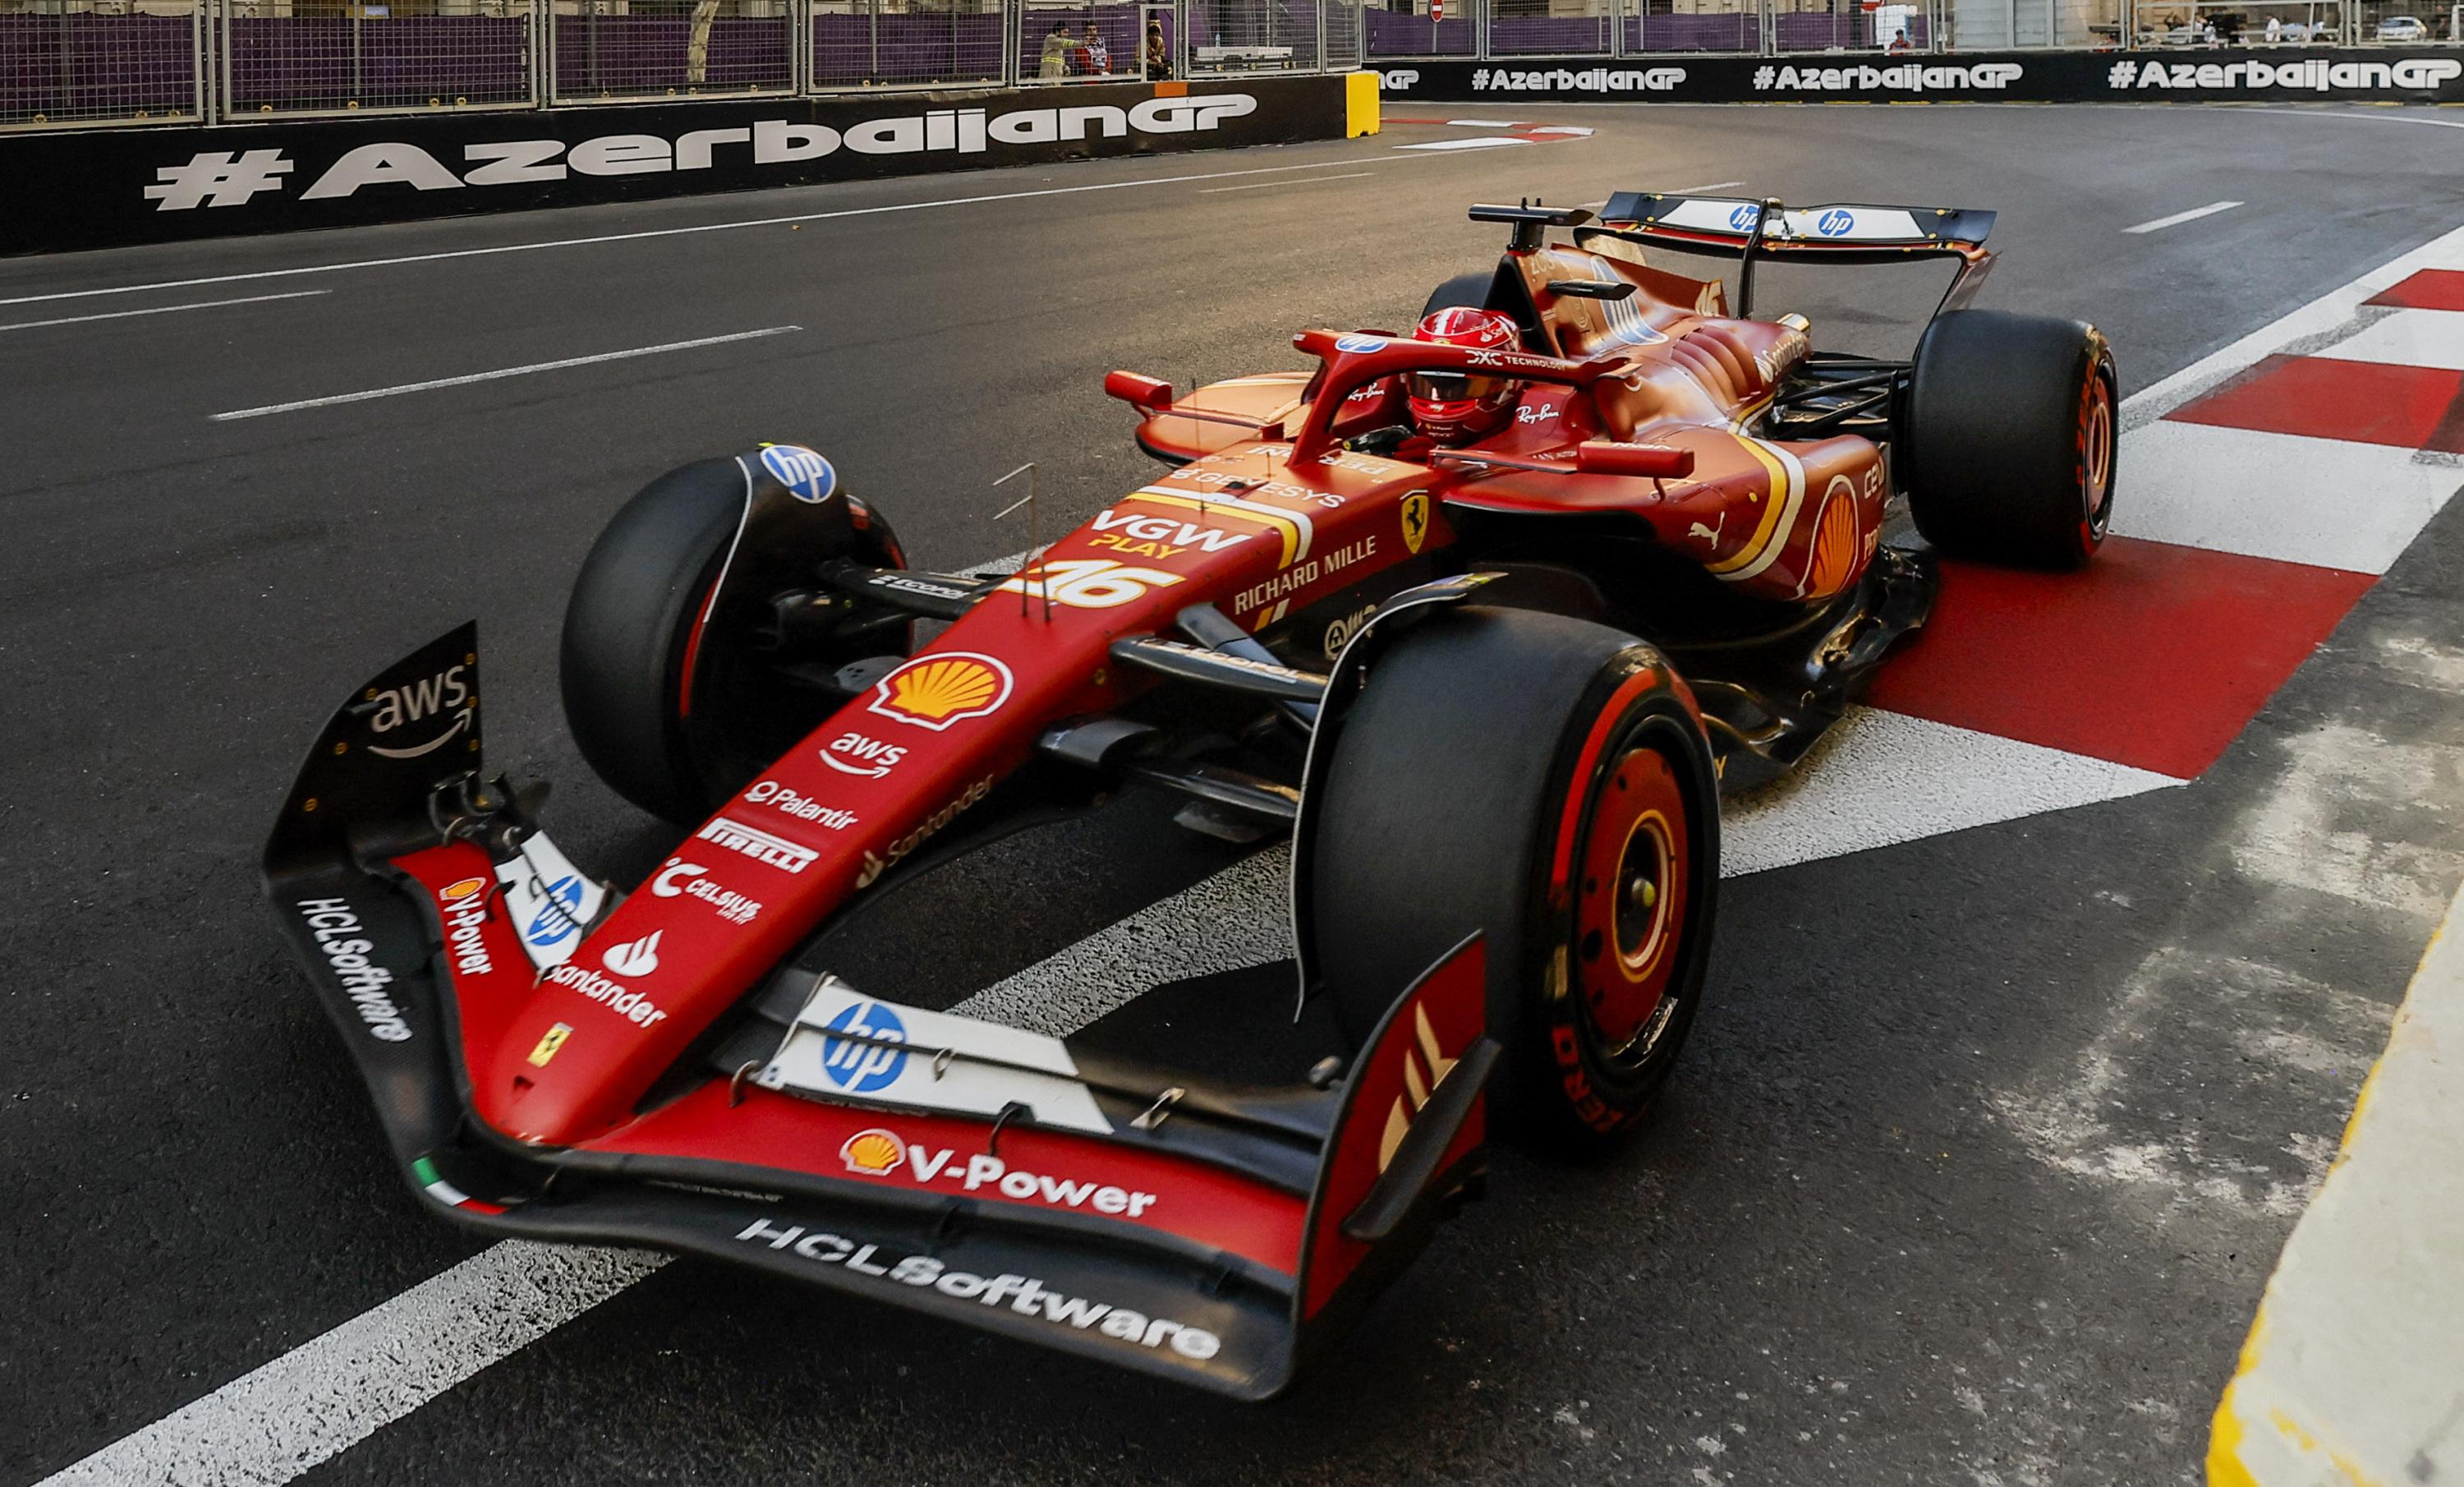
[(632, 617), (2008, 438), (1462, 291), (1547, 781)]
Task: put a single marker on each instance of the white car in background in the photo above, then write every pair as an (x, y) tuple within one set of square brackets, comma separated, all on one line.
[(2402, 28)]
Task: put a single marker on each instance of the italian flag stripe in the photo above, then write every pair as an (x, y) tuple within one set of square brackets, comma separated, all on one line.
[(446, 1192)]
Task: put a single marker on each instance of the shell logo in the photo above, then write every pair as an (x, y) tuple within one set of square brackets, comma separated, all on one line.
[(873, 1152), (1832, 562), (936, 691), (455, 893)]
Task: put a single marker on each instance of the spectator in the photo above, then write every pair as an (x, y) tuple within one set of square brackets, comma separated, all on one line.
[(1158, 55), (1055, 61), (2274, 31), (1099, 57), (1899, 43)]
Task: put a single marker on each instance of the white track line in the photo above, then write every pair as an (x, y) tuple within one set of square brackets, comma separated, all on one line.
[(686, 231), (1696, 191), (165, 309), (1484, 142), (335, 1391), (1264, 185), (2180, 218), (502, 372)]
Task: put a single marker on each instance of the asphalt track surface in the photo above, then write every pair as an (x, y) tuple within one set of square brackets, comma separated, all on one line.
[(1980, 1152)]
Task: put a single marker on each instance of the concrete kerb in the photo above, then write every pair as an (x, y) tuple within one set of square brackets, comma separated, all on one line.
[(2353, 1373)]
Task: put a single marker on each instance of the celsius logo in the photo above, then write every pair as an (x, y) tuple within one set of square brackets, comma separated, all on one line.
[(425, 701), (860, 1068), (677, 879), (1837, 222), (853, 753), (555, 922), (806, 475), (634, 957)]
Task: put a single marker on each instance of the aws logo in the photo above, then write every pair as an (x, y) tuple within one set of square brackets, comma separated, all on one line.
[(415, 709)]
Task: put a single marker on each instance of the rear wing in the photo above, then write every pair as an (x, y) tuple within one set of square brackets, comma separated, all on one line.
[(1840, 233)]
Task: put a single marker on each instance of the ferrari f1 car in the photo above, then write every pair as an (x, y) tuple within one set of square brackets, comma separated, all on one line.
[(1491, 683)]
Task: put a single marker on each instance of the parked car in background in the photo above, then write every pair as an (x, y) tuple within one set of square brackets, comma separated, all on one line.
[(2402, 28)]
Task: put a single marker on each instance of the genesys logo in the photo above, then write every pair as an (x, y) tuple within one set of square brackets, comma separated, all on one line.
[(412, 720), (228, 178), (803, 808), (677, 879), (877, 1152), (1590, 80), (853, 753), (464, 907), (1905, 78), (344, 944), (2311, 75), (1023, 1294), (936, 691)]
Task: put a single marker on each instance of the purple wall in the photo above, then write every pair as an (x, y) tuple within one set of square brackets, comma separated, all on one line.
[(914, 48), (297, 62), (95, 66), (622, 55), (1392, 34)]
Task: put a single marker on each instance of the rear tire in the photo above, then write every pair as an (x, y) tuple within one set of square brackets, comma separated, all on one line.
[(1462, 291), (1491, 751), (2008, 440)]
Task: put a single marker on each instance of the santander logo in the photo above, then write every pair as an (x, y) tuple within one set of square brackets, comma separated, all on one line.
[(634, 957)]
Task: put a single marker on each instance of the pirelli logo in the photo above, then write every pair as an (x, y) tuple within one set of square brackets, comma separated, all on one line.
[(760, 846)]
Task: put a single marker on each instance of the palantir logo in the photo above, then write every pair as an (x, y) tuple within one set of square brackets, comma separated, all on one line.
[(861, 1068)]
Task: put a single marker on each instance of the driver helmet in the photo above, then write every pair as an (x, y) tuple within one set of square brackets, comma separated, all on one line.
[(1457, 407)]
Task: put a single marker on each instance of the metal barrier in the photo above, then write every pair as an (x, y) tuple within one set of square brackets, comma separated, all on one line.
[(98, 61), (77, 63)]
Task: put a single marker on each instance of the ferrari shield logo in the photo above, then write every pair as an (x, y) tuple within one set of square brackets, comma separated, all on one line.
[(1416, 520)]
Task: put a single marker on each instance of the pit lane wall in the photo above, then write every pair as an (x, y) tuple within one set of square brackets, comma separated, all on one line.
[(102, 189), (2353, 1373), (2272, 75)]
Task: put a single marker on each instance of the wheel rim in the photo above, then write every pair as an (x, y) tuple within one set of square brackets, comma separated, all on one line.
[(2096, 452), (1630, 908)]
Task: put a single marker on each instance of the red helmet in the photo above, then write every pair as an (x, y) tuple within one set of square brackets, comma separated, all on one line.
[(1455, 408)]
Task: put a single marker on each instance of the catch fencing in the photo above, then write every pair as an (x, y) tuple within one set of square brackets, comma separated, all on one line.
[(77, 64)]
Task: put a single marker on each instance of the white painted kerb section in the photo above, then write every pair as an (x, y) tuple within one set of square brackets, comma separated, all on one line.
[(2354, 1370)]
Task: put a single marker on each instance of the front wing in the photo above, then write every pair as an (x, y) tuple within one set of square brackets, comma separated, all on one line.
[(1153, 1219)]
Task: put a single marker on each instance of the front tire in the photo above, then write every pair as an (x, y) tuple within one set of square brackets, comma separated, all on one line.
[(2008, 440), (674, 706), (1545, 781)]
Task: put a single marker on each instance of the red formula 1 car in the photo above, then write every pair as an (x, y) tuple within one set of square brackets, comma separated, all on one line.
[(1483, 618)]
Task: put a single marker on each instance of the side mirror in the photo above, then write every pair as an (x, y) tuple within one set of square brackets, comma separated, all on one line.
[(1654, 461), (1146, 392)]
